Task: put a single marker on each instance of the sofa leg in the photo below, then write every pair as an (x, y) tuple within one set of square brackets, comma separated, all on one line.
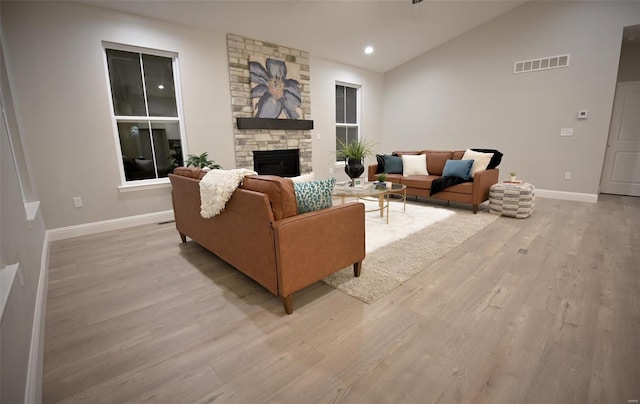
[(357, 269), (183, 237), (287, 302), (475, 208)]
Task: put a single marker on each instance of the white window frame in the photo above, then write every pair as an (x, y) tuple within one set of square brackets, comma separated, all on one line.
[(358, 89), (126, 186)]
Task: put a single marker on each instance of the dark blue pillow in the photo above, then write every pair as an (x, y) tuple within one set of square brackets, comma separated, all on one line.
[(392, 164), (457, 168)]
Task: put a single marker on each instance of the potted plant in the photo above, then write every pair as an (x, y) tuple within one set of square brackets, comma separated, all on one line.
[(201, 161), (513, 176), (354, 153), (382, 181)]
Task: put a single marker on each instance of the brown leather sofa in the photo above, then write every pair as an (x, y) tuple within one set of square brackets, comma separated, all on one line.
[(473, 193), (260, 233)]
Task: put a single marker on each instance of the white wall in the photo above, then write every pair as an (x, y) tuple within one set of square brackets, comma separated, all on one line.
[(22, 242), (464, 94), (324, 75), (56, 62)]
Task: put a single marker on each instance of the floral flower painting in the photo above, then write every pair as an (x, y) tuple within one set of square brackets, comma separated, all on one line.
[(273, 94)]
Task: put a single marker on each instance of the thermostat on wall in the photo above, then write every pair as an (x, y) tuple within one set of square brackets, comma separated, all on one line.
[(583, 114)]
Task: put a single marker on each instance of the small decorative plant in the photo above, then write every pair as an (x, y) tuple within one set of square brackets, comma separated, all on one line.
[(201, 161), (357, 149), (382, 177), (513, 175)]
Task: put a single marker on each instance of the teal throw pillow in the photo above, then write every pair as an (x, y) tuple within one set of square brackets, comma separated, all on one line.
[(314, 195), (392, 164), (458, 168)]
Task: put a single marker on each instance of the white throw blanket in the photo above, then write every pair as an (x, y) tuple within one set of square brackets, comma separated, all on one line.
[(216, 188)]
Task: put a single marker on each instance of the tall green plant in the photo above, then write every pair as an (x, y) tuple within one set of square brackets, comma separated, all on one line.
[(356, 149), (201, 161)]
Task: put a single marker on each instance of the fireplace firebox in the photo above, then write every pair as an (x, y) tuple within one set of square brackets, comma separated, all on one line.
[(285, 163)]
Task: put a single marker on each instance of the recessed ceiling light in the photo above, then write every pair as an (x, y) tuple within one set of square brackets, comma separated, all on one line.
[(161, 87), (368, 50)]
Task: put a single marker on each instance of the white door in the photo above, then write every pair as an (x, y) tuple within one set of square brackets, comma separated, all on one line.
[(621, 171)]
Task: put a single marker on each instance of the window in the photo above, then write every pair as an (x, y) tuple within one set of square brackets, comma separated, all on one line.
[(146, 111), (347, 117)]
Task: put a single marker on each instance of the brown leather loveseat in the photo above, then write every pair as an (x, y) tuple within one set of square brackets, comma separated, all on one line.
[(473, 193), (261, 234)]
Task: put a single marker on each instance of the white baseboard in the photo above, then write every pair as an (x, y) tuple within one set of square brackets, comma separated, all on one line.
[(568, 196), (63, 233), (33, 385)]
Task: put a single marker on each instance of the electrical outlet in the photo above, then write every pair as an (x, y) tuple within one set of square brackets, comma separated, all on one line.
[(566, 131), (567, 175), (77, 202)]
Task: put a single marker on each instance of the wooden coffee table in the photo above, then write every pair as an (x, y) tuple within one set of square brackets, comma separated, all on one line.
[(383, 195)]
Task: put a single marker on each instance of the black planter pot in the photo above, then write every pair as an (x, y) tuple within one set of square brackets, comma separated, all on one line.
[(353, 168)]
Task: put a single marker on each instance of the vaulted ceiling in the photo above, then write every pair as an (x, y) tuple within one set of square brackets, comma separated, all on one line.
[(336, 30)]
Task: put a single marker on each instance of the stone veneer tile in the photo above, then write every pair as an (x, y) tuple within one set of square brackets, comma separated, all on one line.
[(239, 50)]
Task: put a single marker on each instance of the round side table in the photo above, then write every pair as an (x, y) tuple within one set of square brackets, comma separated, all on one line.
[(512, 199)]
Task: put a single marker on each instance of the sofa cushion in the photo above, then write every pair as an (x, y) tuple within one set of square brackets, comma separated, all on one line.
[(397, 178), (495, 160), (419, 181), (392, 164), (280, 192), (464, 188), (458, 168), (457, 155), (314, 195), (480, 160), (380, 159), (436, 160), (304, 177), (414, 165)]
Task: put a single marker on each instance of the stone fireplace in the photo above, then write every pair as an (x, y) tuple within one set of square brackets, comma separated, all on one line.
[(248, 141)]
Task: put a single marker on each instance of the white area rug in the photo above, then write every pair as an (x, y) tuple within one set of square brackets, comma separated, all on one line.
[(401, 223), (409, 244)]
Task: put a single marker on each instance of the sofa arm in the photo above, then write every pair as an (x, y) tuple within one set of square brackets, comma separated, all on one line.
[(482, 182), (372, 173), (313, 245)]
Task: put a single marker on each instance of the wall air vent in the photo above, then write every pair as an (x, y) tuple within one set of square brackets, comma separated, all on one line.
[(534, 65)]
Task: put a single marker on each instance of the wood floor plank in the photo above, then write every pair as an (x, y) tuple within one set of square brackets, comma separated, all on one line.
[(540, 310)]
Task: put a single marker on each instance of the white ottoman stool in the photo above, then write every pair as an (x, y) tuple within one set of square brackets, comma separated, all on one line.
[(512, 199)]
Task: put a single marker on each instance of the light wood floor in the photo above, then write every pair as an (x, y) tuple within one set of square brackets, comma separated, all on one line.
[(540, 310)]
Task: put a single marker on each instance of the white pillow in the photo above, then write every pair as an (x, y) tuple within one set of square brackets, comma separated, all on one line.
[(304, 177), (414, 165), (480, 160)]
